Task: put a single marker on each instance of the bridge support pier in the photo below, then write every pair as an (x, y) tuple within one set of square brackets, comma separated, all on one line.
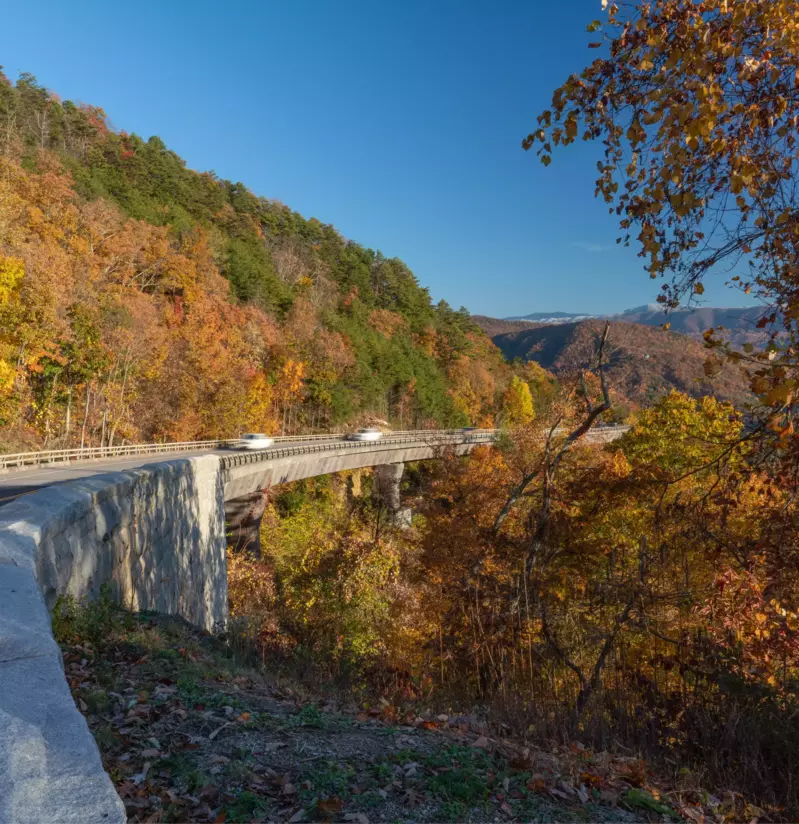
[(354, 485), (243, 518), (386, 487)]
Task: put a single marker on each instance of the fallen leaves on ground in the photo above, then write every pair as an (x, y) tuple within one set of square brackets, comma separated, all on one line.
[(186, 738)]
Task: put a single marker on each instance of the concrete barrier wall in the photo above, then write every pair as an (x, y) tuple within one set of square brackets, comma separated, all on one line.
[(155, 536)]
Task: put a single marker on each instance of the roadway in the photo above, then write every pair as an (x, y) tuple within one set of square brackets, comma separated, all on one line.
[(14, 483)]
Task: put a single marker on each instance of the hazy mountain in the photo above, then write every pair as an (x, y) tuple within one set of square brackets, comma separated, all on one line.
[(644, 361), (552, 317), (740, 322)]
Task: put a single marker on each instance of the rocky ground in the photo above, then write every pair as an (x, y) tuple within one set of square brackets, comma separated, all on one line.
[(189, 735)]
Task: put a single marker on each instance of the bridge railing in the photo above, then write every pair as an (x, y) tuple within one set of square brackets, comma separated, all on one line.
[(424, 437), (19, 459), (22, 459), (95, 452)]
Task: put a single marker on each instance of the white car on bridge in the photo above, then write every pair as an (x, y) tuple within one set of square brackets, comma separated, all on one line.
[(254, 440), (365, 435)]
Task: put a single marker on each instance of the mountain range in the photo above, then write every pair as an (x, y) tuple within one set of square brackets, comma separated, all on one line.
[(741, 322), (645, 361)]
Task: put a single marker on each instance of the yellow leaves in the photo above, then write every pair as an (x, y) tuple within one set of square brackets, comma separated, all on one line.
[(780, 395), (291, 379), (12, 270), (679, 434), (518, 403), (619, 465), (7, 375), (652, 117), (258, 406)]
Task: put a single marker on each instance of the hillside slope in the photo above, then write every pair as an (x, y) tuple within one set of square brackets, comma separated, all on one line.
[(141, 300), (645, 362)]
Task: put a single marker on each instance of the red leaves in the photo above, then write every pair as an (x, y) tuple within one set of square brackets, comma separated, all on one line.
[(634, 772), (328, 807), (537, 783)]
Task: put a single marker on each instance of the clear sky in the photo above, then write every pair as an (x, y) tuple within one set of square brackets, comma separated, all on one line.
[(398, 121)]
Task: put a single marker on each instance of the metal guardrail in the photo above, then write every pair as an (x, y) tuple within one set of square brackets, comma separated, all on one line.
[(427, 437), (21, 459), (450, 437), (94, 452), (88, 453)]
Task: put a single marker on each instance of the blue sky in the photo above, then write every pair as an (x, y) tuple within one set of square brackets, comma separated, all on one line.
[(398, 122)]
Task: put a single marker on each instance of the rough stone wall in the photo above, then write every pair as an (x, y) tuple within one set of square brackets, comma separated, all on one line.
[(387, 481), (243, 521), (155, 535)]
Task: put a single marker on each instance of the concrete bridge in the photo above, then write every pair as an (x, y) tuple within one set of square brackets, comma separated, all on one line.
[(154, 534)]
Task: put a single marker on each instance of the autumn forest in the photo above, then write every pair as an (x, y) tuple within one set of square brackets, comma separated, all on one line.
[(142, 301), (639, 596)]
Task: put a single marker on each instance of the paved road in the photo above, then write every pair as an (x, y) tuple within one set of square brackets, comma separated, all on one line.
[(17, 482)]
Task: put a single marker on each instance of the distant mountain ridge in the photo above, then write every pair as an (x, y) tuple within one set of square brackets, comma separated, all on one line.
[(645, 362), (551, 318), (740, 321)]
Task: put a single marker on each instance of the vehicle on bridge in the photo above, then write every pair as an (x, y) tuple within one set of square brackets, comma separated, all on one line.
[(254, 440), (365, 435)]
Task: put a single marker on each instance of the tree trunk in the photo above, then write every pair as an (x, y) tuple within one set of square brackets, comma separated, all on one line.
[(588, 687), (68, 420), (85, 415)]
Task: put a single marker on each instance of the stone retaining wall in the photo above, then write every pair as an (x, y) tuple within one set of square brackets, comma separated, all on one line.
[(155, 536)]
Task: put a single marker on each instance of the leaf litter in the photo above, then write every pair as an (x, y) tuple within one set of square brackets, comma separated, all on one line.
[(187, 734)]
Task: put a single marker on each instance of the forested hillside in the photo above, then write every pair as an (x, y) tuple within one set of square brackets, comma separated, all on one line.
[(645, 362), (141, 300)]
